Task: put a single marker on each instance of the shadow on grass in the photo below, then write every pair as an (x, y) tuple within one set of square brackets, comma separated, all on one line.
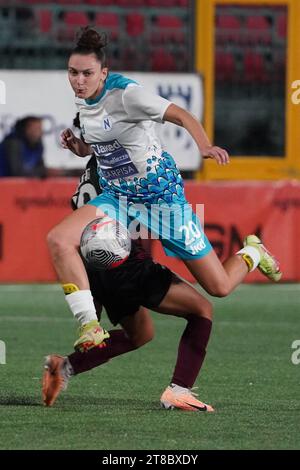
[(67, 401), (108, 403), (19, 401)]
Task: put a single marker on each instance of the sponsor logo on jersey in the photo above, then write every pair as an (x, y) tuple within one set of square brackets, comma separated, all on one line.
[(107, 123), (113, 160), (102, 149)]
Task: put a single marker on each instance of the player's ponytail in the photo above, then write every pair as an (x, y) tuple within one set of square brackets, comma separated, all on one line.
[(89, 41)]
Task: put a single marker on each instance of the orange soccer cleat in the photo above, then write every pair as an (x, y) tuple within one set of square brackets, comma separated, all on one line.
[(182, 398), (55, 378)]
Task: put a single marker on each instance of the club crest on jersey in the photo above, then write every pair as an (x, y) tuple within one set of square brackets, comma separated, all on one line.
[(107, 123)]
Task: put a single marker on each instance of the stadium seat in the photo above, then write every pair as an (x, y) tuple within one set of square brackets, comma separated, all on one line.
[(254, 68), (258, 30), (100, 2), (163, 3), (281, 28), (109, 22), (75, 18), (69, 2), (131, 3), (135, 24), (228, 28), (45, 20), (32, 2), (162, 61), (71, 21), (168, 28), (224, 66)]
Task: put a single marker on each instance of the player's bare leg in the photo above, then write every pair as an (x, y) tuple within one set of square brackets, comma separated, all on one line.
[(220, 279), (216, 278), (63, 241), (139, 327)]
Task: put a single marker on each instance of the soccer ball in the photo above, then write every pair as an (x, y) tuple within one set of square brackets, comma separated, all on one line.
[(105, 243)]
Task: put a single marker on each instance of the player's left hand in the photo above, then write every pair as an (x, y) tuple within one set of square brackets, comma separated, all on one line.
[(216, 153)]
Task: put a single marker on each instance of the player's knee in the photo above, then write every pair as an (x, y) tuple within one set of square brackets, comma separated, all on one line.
[(207, 310), (221, 289), (203, 308), (142, 339), (56, 243)]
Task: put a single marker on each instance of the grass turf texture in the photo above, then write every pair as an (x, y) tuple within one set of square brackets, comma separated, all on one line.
[(248, 377)]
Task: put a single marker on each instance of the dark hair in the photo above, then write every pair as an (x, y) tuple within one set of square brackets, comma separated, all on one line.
[(89, 41), (21, 124)]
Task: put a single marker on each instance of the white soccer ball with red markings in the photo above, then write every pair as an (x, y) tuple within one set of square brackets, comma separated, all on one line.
[(105, 244)]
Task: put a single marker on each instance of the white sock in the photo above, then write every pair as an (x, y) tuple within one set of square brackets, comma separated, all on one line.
[(178, 388), (82, 306), (68, 369), (253, 253)]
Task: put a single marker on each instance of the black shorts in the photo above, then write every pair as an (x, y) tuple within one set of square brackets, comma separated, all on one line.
[(122, 291)]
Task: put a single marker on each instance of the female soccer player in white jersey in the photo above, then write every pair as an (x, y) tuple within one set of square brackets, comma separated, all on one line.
[(127, 292), (117, 119)]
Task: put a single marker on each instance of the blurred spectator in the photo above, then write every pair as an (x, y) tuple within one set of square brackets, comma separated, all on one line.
[(21, 151)]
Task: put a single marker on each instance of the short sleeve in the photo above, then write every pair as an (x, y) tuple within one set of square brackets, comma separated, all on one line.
[(140, 105)]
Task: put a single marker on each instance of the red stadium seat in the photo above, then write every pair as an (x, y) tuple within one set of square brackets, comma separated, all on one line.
[(224, 66), (254, 68), (168, 28), (68, 2), (75, 18), (135, 24), (109, 22), (228, 28), (45, 20), (162, 61), (169, 22), (71, 21), (131, 3), (259, 29), (34, 1), (100, 2), (163, 3), (281, 26)]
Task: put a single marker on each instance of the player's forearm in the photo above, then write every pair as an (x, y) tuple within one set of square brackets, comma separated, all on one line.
[(195, 129), (183, 118), (83, 149)]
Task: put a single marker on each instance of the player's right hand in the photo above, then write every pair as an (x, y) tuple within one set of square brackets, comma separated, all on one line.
[(69, 141)]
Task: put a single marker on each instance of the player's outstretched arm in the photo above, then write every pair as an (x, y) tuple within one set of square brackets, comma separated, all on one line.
[(181, 117), (69, 141)]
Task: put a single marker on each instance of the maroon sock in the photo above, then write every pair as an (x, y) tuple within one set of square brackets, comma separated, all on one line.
[(118, 343), (191, 351)]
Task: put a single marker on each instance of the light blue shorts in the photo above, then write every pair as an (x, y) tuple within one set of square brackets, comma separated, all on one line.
[(176, 225)]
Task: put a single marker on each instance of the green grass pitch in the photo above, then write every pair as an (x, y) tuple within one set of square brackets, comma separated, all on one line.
[(248, 376)]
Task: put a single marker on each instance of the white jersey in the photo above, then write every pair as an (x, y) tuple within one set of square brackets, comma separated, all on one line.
[(120, 127)]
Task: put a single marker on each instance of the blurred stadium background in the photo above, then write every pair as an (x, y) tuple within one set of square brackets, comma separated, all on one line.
[(234, 64)]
